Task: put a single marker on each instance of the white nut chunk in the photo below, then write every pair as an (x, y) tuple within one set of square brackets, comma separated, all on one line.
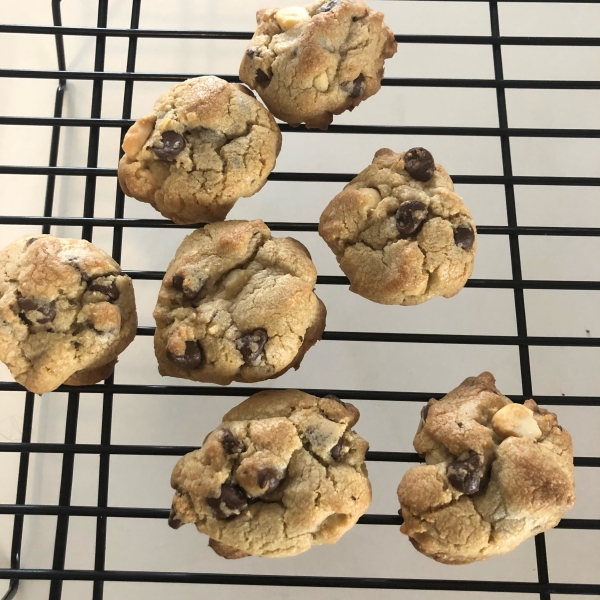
[(516, 420), (288, 17), (137, 136), (321, 82)]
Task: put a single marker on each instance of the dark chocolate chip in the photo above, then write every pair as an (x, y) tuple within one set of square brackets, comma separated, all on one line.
[(188, 291), (465, 475), (173, 144), (174, 522), (252, 52), (262, 78), (191, 359), (410, 216), (177, 282), (336, 451), (251, 346), (108, 289), (27, 303), (267, 478), (328, 6), (419, 164), (354, 88), (232, 497), (48, 312), (30, 241), (460, 424), (464, 237), (425, 412), (230, 443)]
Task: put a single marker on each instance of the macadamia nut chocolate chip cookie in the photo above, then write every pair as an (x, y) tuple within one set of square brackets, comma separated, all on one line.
[(282, 473), (206, 144), (237, 305), (66, 312), (497, 473), (310, 63), (399, 231)]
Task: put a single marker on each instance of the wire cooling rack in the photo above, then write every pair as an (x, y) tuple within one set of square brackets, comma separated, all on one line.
[(102, 512)]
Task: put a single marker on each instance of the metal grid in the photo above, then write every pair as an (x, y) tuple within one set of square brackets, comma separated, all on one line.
[(57, 575)]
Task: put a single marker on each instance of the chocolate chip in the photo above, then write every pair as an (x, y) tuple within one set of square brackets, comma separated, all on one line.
[(354, 88), (177, 282), (191, 359), (48, 311), (410, 216), (464, 237), (252, 52), (234, 499), (108, 289), (27, 303), (336, 451), (560, 427), (328, 6), (465, 475), (174, 522), (189, 291), (30, 241), (262, 78), (230, 443), (251, 346), (268, 478), (173, 144), (461, 425), (425, 412), (419, 164)]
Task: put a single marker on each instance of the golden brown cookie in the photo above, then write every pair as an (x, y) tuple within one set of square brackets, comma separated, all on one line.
[(496, 473), (66, 312), (400, 232), (310, 63), (206, 144), (282, 473), (237, 305)]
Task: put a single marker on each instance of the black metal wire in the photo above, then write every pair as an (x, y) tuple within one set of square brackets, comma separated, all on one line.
[(105, 449)]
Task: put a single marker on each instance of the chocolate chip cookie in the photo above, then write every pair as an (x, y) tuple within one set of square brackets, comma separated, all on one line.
[(206, 144), (310, 63), (237, 305), (66, 312), (497, 473), (282, 473), (400, 232)]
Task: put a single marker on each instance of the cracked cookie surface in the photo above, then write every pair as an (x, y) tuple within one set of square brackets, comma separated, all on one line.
[(310, 63), (66, 312), (237, 305), (206, 144), (399, 231), (497, 473), (282, 473)]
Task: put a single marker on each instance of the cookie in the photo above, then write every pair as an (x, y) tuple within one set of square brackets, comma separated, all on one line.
[(399, 231), (282, 473), (497, 473), (66, 312), (206, 144), (237, 305), (310, 63)]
